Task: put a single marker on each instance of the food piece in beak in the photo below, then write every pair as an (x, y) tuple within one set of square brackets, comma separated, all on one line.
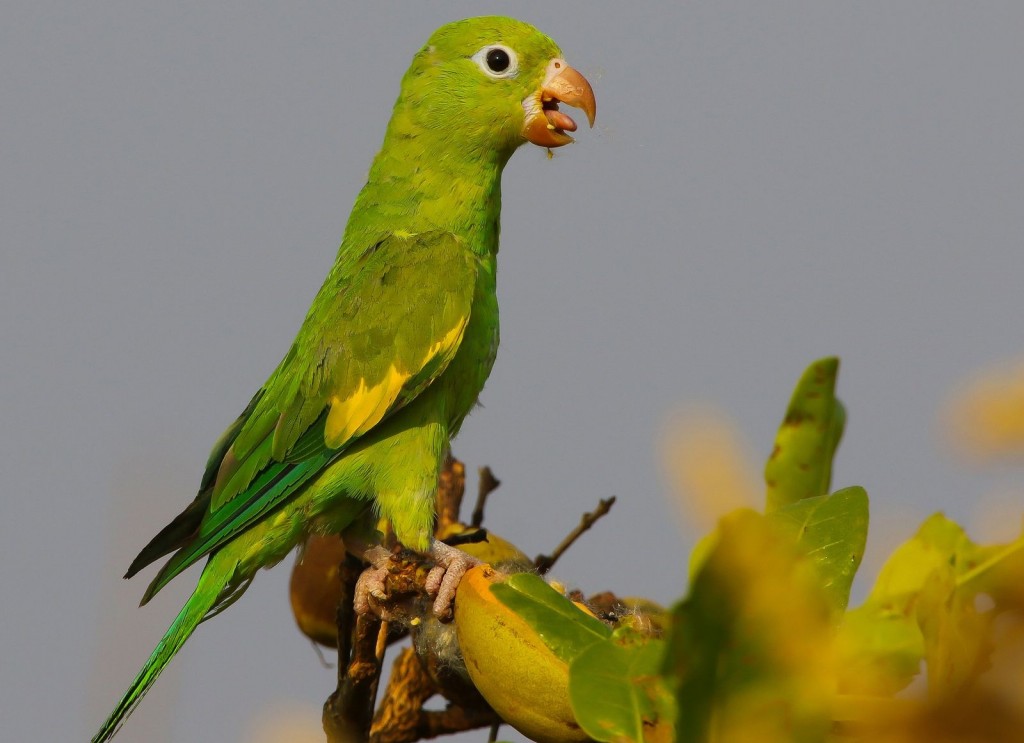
[(545, 125)]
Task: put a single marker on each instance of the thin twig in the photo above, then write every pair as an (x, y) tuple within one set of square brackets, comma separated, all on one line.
[(451, 486), (348, 574), (545, 562), (382, 642), (488, 484)]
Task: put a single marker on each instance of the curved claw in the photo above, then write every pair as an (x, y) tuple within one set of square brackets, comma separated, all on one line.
[(443, 579)]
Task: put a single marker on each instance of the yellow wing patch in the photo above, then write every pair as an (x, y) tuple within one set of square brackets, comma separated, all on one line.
[(363, 409), (449, 341)]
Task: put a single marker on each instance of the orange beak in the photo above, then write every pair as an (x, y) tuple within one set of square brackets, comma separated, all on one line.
[(545, 125)]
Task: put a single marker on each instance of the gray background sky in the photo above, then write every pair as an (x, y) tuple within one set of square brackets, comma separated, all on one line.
[(768, 183)]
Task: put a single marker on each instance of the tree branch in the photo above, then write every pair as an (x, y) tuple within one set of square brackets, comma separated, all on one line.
[(348, 711), (488, 484), (401, 717), (545, 562)]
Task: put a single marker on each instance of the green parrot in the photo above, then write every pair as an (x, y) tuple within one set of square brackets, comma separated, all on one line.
[(354, 422)]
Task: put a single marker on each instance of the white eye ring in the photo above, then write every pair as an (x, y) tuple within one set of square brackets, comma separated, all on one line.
[(498, 61)]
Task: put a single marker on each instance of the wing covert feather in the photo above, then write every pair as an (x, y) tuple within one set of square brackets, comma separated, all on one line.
[(383, 327), (385, 323)]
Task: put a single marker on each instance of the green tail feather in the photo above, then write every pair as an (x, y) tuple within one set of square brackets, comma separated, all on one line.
[(200, 603)]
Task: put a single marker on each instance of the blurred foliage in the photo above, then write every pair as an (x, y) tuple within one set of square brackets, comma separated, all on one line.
[(745, 657), (763, 647), (984, 419), (709, 466)]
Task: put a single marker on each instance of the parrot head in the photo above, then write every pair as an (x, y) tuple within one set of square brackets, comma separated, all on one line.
[(493, 83)]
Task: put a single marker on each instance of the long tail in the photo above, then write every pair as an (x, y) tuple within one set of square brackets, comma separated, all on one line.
[(200, 603)]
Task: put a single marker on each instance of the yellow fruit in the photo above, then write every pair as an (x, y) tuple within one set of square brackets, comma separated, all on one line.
[(525, 683), (493, 549)]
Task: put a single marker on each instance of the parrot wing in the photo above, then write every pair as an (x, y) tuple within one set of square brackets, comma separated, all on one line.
[(383, 327)]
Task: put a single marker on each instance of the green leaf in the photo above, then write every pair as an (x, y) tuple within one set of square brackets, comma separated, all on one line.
[(800, 465), (880, 643), (617, 693), (700, 552), (832, 530), (995, 570), (563, 626), (922, 607), (879, 651), (957, 642)]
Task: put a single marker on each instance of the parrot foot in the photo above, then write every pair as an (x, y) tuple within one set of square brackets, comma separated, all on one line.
[(371, 580), (371, 594), (443, 579)]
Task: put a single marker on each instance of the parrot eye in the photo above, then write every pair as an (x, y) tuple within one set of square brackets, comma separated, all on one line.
[(497, 61)]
